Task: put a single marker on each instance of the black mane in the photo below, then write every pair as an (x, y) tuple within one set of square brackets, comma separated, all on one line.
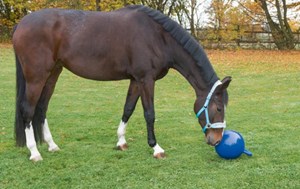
[(184, 39)]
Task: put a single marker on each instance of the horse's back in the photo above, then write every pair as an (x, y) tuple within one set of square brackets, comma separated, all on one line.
[(86, 42), (44, 23)]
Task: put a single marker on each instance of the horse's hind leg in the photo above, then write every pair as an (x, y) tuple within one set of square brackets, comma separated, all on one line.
[(31, 79), (52, 146), (33, 92), (31, 143), (131, 100), (37, 96), (43, 106)]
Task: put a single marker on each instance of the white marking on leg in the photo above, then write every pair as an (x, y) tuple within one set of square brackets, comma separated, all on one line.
[(157, 150), (121, 133), (31, 144), (48, 138)]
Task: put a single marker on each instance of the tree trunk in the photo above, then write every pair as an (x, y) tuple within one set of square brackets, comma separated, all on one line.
[(281, 32), (192, 21), (98, 8)]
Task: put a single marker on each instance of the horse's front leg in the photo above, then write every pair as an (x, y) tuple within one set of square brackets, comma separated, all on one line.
[(147, 95), (133, 95)]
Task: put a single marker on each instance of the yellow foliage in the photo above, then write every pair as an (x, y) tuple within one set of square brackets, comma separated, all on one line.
[(295, 25)]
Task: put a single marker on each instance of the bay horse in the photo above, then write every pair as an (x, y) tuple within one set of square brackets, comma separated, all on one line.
[(135, 43)]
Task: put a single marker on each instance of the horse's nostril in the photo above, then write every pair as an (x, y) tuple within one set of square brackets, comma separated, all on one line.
[(210, 140)]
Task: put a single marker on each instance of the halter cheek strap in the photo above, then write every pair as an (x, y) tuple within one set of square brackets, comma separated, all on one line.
[(205, 109)]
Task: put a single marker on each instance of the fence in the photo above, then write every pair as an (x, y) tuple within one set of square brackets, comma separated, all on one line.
[(262, 39), (248, 40)]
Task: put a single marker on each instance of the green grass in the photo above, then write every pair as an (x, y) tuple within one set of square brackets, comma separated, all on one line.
[(83, 116)]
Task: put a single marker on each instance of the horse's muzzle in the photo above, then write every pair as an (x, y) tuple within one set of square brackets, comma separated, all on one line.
[(214, 136), (212, 142)]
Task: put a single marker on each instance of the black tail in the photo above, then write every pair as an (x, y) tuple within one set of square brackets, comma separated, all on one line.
[(19, 121), (39, 115)]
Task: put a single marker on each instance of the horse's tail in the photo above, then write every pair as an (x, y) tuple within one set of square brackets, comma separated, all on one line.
[(38, 118), (20, 95)]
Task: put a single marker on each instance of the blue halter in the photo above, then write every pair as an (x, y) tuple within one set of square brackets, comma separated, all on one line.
[(205, 109)]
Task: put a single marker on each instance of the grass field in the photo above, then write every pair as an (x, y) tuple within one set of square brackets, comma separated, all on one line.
[(83, 115)]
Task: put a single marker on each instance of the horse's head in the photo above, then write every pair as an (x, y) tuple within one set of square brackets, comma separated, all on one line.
[(210, 111)]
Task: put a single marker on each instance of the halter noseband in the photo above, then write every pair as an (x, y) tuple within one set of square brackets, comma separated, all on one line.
[(205, 109)]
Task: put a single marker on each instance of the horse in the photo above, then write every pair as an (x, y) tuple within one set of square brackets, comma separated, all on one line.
[(136, 43)]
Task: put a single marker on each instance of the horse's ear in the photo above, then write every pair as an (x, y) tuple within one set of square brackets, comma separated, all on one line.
[(225, 82)]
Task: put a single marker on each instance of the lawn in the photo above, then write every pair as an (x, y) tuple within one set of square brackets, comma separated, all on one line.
[(264, 106)]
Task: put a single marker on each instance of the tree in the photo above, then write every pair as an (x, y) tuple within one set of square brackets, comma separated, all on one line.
[(187, 12), (10, 11), (225, 22), (183, 11), (98, 8), (278, 22), (165, 6)]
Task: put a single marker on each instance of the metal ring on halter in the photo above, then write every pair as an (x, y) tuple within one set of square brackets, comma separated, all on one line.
[(205, 109)]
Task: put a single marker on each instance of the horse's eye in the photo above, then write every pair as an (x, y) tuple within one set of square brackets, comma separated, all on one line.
[(219, 109)]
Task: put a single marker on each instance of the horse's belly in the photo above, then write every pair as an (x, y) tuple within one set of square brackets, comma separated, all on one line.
[(97, 71)]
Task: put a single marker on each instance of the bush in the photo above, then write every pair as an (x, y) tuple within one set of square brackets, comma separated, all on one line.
[(5, 34)]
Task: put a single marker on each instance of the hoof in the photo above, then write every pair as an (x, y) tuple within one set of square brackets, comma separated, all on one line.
[(55, 149), (122, 147), (36, 158), (160, 155)]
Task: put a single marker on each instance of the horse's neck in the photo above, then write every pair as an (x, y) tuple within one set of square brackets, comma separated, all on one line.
[(200, 77)]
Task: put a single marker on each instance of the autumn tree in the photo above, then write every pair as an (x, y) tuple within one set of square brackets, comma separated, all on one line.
[(189, 16), (225, 22), (10, 13), (12, 10), (280, 18), (278, 22), (98, 8)]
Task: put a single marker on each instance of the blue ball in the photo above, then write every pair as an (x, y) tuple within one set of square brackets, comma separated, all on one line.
[(231, 146)]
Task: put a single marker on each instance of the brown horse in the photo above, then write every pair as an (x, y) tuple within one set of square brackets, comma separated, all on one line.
[(135, 43)]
